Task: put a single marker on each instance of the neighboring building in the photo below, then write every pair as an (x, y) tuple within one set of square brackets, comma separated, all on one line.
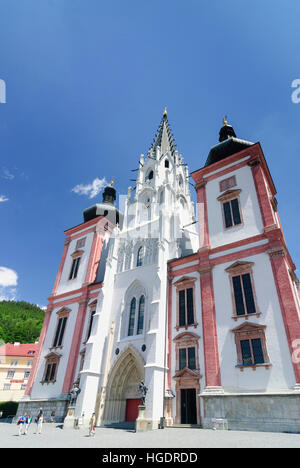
[(209, 320), (15, 366)]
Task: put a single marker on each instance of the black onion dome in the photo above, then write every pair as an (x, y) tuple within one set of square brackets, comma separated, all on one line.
[(229, 145), (106, 208)]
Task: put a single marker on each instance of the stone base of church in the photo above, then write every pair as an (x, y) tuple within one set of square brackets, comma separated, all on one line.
[(278, 412), (143, 424), (48, 406)]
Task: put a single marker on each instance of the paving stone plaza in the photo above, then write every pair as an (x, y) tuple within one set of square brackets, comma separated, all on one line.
[(53, 436)]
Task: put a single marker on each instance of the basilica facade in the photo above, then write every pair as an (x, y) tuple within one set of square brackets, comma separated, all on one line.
[(201, 303)]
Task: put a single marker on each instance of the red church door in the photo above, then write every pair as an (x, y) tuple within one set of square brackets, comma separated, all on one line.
[(132, 409)]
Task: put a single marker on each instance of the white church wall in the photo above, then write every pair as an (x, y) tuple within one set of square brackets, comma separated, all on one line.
[(53, 390), (65, 284), (252, 222), (280, 375)]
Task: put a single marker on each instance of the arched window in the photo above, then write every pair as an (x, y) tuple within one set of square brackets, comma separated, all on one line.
[(140, 256), (167, 164), (132, 317), (140, 326)]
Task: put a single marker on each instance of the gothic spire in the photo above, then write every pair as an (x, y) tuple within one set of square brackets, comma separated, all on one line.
[(164, 137)]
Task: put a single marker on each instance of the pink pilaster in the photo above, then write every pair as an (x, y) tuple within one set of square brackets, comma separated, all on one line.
[(94, 257), (210, 338), (266, 209), (61, 265), (287, 300), (75, 346)]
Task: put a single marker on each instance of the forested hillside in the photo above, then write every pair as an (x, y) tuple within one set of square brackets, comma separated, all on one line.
[(20, 321)]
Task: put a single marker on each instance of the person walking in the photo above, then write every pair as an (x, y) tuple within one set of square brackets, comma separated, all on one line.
[(21, 423), (92, 425), (39, 421), (27, 423)]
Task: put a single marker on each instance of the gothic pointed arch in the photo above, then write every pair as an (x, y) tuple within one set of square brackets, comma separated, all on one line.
[(122, 385)]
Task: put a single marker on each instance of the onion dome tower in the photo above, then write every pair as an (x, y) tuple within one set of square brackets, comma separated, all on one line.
[(106, 208), (228, 144)]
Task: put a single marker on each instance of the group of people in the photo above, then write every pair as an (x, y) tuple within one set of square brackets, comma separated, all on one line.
[(25, 421)]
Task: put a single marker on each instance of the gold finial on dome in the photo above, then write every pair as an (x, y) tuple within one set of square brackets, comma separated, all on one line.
[(112, 182), (225, 122), (165, 111)]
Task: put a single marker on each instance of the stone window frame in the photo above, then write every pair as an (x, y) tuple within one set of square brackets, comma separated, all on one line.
[(51, 359), (62, 313), (250, 331), (186, 340), (77, 255), (238, 269), (185, 283), (229, 196)]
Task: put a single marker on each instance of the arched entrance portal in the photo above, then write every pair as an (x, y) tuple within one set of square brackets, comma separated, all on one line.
[(122, 395)]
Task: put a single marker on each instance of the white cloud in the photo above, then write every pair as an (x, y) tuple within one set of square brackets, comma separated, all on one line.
[(8, 277), (3, 198), (91, 190), (8, 281)]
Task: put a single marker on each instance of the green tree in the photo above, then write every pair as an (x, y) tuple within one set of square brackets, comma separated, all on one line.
[(20, 321)]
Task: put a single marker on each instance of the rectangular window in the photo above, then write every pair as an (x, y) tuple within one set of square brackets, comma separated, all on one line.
[(50, 372), (26, 374), (243, 294), (232, 214), (246, 353), (258, 354), (60, 330), (74, 268), (182, 358), (187, 358), (6, 387), (186, 307), (191, 358), (10, 374), (252, 352), (190, 306), (23, 387), (182, 308)]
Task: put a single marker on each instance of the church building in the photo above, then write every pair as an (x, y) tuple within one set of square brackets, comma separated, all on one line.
[(200, 303)]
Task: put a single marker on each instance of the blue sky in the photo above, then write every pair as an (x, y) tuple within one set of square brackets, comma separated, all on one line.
[(86, 85)]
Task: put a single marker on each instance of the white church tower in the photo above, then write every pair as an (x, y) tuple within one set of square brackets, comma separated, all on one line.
[(128, 338)]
